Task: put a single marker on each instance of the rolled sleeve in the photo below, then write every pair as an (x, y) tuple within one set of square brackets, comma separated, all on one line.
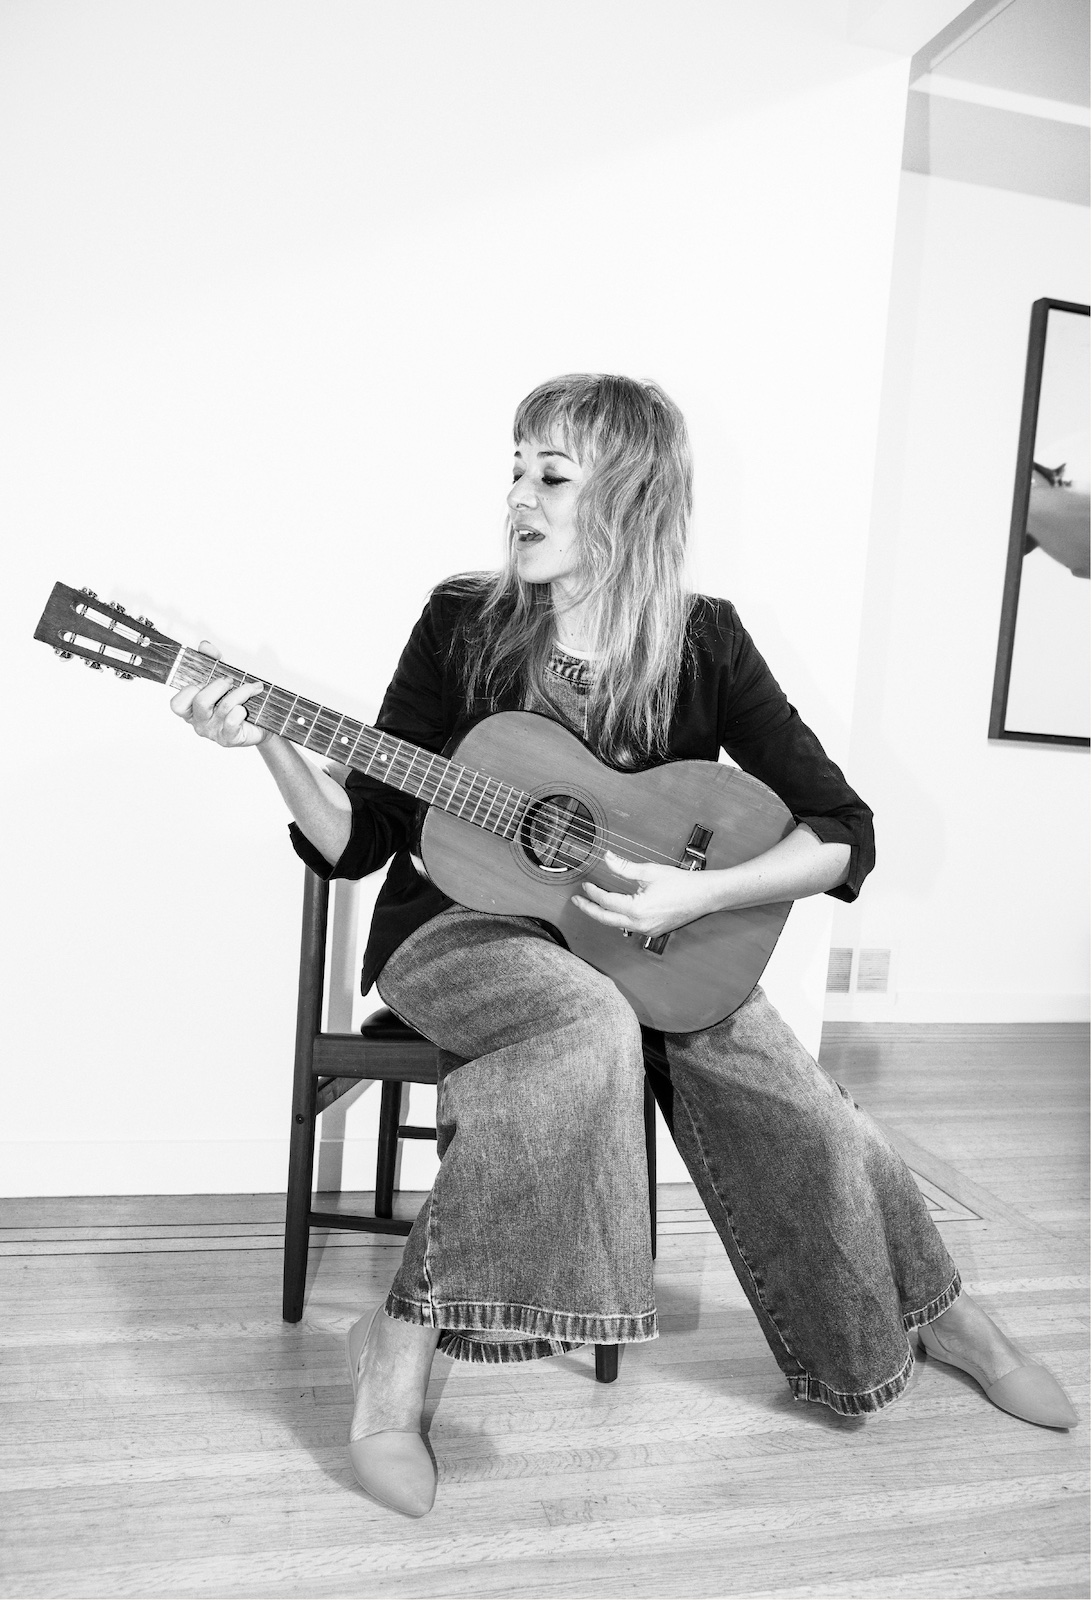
[(766, 736), (861, 842), (311, 857), (383, 821)]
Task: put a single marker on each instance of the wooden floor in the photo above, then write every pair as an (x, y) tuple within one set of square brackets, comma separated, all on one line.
[(163, 1433)]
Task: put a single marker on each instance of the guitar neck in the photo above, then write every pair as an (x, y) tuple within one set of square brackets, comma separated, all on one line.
[(474, 796)]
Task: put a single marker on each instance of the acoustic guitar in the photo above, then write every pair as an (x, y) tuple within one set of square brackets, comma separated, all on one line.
[(518, 815)]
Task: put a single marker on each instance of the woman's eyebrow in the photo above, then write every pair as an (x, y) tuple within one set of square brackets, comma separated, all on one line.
[(560, 453)]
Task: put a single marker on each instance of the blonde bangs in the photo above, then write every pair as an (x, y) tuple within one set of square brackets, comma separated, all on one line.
[(632, 520)]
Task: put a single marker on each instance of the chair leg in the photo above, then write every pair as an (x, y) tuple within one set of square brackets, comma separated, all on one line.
[(297, 1210), (301, 1156), (390, 1116), (606, 1363), (297, 1228)]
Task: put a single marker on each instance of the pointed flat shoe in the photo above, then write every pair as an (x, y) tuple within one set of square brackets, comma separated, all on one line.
[(393, 1467), (1028, 1391)]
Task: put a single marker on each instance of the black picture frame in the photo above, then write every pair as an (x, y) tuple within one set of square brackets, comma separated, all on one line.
[(1017, 539)]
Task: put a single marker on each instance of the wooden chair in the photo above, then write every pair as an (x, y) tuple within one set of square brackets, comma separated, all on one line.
[(327, 1065)]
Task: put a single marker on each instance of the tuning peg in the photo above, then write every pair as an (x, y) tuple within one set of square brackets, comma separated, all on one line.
[(65, 655), (145, 622), (116, 605), (128, 677), (96, 666), (90, 593)]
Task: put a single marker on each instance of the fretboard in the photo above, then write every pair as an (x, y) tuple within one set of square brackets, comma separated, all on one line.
[(474, 796)]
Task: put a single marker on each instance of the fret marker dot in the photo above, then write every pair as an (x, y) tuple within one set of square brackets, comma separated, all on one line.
[(382, 758), (302, 721), (344, 738)]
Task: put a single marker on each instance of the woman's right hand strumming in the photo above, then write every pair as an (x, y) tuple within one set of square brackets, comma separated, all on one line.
[(320, 806), (217, 711)]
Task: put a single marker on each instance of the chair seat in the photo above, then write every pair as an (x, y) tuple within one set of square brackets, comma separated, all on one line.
[(386, 1025)]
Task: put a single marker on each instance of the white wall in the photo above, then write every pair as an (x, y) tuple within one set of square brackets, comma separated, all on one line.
[(981, 884), (283, 272)]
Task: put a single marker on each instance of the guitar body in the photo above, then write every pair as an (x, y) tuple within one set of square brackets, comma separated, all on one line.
[(579, 807)]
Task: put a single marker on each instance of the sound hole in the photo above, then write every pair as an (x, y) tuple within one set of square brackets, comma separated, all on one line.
[(558, 833)]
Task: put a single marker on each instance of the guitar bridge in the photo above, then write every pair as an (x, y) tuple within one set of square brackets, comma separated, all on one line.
[(694, 859)]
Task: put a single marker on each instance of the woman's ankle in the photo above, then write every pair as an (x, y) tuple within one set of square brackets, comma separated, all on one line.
[(965, 1328), (393, 1377)]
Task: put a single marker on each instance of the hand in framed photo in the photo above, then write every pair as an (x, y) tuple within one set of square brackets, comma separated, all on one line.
[(1041, 691)]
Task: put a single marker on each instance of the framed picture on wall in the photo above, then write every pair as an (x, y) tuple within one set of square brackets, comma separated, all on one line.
[(1042, 684)]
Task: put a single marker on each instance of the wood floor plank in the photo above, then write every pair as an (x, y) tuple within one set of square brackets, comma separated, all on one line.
[(586, 1559), (746, 1501)]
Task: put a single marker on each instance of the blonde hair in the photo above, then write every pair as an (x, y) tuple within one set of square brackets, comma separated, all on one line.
[(632, 518)]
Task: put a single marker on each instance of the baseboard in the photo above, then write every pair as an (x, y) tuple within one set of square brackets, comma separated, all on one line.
[(992, 1006), (858, 1029)]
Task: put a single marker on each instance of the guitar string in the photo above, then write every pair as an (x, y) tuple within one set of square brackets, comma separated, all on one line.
[(577, 829)]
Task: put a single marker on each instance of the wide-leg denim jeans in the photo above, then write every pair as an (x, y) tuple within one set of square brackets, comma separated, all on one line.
[(535, 1236)]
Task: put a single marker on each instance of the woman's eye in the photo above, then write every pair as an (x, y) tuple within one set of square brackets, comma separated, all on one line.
[(548, 478)]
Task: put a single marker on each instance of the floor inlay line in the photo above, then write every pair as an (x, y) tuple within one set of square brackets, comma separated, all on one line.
[(165, 1238)]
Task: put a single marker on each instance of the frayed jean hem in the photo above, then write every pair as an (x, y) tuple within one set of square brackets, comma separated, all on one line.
[(464, 1347), (804, 1387), (935, 1308), (861, 1404), (466, 1326)]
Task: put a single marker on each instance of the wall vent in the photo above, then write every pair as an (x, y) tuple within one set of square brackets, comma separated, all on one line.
[(873, 972), (839, 973), (858, 971)]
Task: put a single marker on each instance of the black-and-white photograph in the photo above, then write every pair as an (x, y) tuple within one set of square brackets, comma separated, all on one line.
[(545, 916), (1043, 687)]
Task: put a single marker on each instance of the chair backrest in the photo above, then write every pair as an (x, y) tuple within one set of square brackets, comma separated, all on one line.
[(383, 1049), (312, 961)]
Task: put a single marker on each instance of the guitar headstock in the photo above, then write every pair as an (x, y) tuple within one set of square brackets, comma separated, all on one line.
[(102, 634)]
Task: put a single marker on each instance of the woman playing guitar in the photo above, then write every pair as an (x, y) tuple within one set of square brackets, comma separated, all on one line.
[(535, 1235)]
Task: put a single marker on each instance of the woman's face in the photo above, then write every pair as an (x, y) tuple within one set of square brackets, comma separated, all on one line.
[(542, 505)]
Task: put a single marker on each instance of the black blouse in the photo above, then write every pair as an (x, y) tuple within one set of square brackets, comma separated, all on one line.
[(728, 700)]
